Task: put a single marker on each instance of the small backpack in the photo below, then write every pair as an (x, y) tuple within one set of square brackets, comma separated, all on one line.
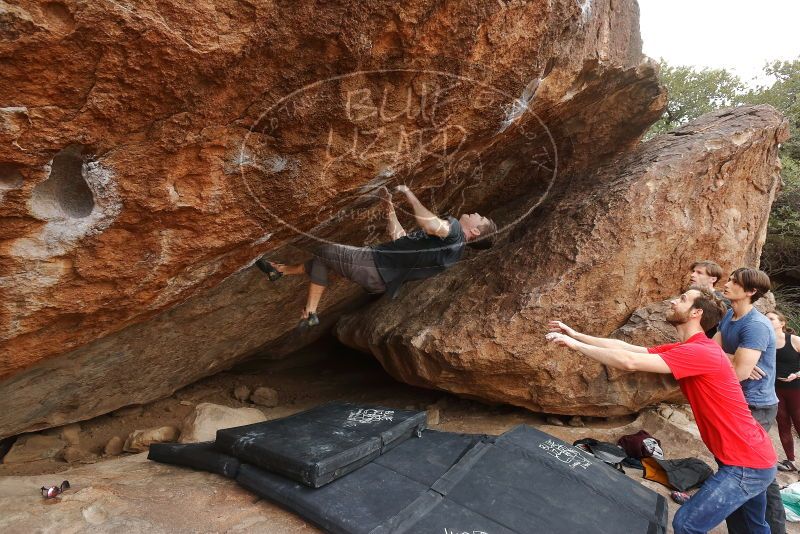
[(641, 445)]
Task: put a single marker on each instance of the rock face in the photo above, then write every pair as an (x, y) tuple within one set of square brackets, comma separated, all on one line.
[(140, 440), (207, 418), (148, 154), (265, 397), (34, 447), (615, 239), (114, 447)]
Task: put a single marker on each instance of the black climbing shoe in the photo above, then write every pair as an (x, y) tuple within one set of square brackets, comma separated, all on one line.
[(680, 497), (786, 465), (311, 320), (267, 268)]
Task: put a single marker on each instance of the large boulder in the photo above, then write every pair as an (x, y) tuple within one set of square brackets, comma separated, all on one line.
[(614, 240), (149, 153)]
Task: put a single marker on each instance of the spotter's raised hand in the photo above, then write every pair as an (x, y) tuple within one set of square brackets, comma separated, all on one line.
[(558, 326)]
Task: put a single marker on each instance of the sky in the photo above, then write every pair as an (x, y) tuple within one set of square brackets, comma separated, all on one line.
[(736, 35)]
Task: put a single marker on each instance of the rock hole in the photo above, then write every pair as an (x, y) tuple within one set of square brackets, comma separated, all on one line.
[(65, 193), (10, 177), (59, 17)]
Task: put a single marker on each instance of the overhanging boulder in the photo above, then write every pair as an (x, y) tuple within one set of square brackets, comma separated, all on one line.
[(611, 241), (149, 154)]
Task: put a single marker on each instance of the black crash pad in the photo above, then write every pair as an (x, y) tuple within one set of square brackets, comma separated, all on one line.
[(197, 455), (529, 481), (322, 444), (524, 481), (375, 496)]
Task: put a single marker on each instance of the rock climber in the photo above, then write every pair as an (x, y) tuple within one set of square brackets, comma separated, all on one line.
[(437, 245)]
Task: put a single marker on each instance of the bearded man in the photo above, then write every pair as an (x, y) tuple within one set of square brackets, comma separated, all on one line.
[(740, 445)]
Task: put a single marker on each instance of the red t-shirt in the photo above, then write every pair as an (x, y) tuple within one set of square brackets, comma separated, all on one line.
[(707, 378)]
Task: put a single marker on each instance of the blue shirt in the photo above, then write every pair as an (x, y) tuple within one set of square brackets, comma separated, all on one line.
[(753, 331)]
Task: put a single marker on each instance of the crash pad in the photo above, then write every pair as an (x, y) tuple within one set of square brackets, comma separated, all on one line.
[(524, 481), (201, 456), (318, 446)]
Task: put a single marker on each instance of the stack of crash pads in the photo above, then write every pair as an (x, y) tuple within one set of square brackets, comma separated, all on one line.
[(367, 476), (322, 444)]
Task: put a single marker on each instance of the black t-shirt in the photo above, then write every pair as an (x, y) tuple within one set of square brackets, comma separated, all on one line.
[(787, 361), (418, 255)]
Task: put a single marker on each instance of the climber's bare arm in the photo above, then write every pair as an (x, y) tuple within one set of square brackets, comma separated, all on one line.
[(393, 226), (430, 223), (744, 361)]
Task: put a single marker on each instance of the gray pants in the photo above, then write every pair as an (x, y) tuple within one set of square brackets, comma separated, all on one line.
[(353, 263), (776, 515)]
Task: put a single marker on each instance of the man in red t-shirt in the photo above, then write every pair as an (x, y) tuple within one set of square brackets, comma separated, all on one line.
[(742, 448)]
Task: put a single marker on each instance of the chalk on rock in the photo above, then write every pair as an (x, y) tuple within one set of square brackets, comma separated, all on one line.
[(265, 397), (114, 446), (202, 424), (242, 393), (575, 421), (32, 447), (140, 440)]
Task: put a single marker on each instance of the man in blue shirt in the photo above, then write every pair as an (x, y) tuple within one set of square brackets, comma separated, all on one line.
[(747, 336)]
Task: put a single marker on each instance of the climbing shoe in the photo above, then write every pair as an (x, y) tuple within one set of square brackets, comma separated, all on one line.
[(680, 497), (786, 465), (311, 320), (267, 268)]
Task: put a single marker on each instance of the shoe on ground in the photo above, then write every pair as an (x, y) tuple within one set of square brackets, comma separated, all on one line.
[(680, 497), (786, 465)]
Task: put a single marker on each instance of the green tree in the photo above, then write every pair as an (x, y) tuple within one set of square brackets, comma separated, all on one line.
[(784, 95), (781, 254), (694, 92)]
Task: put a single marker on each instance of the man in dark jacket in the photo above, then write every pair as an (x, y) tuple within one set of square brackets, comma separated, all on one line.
[(437, 245)]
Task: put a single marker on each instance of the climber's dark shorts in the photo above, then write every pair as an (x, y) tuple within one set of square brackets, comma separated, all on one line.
[(353, 263)]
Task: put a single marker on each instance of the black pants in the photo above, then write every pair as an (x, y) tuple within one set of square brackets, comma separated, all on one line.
[(776, 514)]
